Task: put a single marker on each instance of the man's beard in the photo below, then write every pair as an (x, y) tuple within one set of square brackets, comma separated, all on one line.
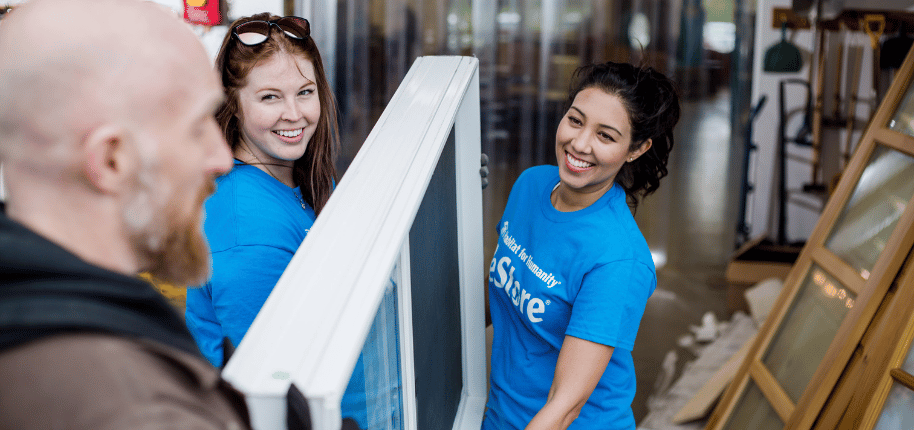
[(172, 247)]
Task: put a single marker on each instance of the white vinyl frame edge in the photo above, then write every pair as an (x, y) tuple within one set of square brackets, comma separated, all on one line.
[(470, 247), (405, 319), (2, 185)]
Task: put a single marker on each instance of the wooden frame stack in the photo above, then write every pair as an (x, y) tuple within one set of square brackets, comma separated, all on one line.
[(807, 363)]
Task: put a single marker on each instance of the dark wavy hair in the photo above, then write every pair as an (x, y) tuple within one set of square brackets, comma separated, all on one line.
[(652, 102), (315, 171)]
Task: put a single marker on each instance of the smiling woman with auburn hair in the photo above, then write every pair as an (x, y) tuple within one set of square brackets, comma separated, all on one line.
[(279, 118)]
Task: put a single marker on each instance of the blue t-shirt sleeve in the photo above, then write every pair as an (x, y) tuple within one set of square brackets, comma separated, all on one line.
[(243, 277), (611, 302), (202, 324)]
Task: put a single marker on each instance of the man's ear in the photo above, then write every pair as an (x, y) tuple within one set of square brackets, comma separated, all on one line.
[(109, 158)]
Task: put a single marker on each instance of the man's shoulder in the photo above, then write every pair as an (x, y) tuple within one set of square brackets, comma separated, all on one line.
[(87, 358), (96, 380)]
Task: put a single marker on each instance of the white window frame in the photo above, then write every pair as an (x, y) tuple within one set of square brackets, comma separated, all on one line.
[(2, 185), (313, 326)]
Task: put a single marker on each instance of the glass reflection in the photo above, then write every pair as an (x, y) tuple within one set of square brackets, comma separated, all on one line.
[(870, 216), (381, 365), (903, 119), (807, 331), (639, 31), (754, 412), (898, 411), (908, 365)]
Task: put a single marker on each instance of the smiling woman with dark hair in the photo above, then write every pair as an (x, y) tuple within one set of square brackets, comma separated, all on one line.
[(572, 273)]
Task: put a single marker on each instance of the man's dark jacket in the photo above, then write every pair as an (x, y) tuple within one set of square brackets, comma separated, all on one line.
[(84, 347)]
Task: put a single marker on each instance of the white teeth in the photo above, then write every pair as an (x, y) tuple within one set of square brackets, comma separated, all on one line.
[(289, 133), (581, 164)]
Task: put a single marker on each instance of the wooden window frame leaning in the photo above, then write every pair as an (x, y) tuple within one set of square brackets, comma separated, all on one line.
[(313, 325), (869, 291), (891, 344), (859, 396)]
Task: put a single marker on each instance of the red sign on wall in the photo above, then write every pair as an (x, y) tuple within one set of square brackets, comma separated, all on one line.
[(203, 12)]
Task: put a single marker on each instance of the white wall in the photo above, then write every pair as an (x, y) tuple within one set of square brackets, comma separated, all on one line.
[(241, 8), (176, 5), (802, 209), (238, 8)]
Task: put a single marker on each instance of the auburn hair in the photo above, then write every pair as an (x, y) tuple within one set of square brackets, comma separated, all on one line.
[(315, 171)]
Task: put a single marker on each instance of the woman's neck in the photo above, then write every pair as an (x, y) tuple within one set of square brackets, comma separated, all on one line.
[(279, 172), (564, 199)]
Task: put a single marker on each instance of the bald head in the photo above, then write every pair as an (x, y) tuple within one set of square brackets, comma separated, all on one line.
[(107, 132), (68, 66)]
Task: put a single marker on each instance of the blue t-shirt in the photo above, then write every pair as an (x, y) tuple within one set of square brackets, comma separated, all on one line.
[(254, 225), (586, 274)]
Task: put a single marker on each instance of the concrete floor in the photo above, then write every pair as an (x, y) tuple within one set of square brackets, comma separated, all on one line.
[(689, 223)]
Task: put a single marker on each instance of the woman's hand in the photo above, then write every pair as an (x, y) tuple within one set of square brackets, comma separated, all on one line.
[(580, 366)]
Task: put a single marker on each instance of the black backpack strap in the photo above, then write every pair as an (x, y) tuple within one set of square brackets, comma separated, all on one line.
[(25, 318)]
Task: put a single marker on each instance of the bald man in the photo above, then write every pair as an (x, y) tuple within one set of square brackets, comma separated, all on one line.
[(109, 147)]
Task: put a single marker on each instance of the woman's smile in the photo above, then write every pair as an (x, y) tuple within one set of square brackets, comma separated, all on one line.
[(290, 136), (576, 164)]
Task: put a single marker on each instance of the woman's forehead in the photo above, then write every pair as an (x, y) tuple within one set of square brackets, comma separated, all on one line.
[(602, 107), (282, 68)]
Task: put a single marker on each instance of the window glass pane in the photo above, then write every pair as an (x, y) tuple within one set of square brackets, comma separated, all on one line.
[(898, 412), (380, 365), (903, 120), (908, 365), (870, 216), (435, 278), (754, 412), (807, 331)]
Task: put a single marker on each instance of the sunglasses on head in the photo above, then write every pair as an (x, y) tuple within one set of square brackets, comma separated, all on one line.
[(256, 32)]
